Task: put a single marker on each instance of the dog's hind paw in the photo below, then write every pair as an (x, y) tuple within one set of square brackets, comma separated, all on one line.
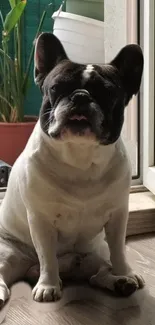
[(121, 285), (4, 293), (127, 285)]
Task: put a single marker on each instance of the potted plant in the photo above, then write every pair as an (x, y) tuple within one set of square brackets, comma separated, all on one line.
[(89, 8), (82, 37), (15, 127)]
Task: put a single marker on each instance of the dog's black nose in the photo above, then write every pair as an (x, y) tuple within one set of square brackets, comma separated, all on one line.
[(80, 97)]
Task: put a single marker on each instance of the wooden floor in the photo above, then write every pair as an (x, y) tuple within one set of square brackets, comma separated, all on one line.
[(82, 305)]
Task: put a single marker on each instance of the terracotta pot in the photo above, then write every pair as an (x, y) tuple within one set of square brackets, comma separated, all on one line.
[(13, 138)]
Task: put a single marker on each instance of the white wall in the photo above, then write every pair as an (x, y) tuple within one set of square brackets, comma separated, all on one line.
[(120, 19), (115, 27)]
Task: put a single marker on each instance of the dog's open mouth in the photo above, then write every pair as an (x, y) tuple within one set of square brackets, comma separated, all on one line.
[(78, 118), (78, 124)]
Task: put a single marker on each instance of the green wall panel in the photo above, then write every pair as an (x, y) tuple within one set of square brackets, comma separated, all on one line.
[(32, 16)]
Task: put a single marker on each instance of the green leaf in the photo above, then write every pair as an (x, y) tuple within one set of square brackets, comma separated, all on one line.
[(13, 17), (2, 19), (12, 3)]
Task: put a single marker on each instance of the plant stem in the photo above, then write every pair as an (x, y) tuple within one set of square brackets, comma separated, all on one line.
[(19, 60), (4, 43), (6, 101)]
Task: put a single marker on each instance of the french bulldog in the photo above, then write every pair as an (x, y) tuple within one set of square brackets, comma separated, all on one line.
[(73, 178)]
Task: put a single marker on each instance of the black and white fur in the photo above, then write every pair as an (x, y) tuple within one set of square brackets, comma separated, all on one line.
[(73, 178)]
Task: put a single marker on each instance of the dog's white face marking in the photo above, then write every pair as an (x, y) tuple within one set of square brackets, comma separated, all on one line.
[(87, 72)]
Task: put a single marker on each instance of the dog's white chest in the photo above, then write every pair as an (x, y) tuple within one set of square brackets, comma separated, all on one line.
[(78, 223), (82, 213)]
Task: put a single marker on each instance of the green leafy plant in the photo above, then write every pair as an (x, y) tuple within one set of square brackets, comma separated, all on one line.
[(14, 82)]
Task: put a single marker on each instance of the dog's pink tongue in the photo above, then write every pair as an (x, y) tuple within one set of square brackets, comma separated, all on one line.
[(78, 117)]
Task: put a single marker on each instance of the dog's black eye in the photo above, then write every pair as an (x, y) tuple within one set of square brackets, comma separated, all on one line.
[(53, 88), (52, 93)]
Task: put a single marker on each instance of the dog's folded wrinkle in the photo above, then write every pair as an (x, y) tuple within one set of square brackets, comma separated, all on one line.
[(73, 178)]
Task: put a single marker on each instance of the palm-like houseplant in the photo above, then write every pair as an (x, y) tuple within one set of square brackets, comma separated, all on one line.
[(15, 129)]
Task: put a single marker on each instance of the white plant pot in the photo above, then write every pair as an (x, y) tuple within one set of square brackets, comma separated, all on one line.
[(82, 37)]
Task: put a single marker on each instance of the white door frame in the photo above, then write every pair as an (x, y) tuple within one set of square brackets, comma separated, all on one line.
[(132, 37), (148, 99)]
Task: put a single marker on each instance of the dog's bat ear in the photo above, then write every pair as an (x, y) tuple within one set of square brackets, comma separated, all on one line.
[(48, 53), (129, 63)]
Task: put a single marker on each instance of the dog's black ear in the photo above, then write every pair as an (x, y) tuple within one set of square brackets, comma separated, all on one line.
[(129, 63), (48, 53)]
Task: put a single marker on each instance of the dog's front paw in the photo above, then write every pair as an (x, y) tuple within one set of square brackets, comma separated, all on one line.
[(127, 285), (46, 292)]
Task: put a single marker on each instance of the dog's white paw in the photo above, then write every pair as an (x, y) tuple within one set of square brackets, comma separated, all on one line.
[(122, 285), (4, 293), (46, 292), (127, 285)]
